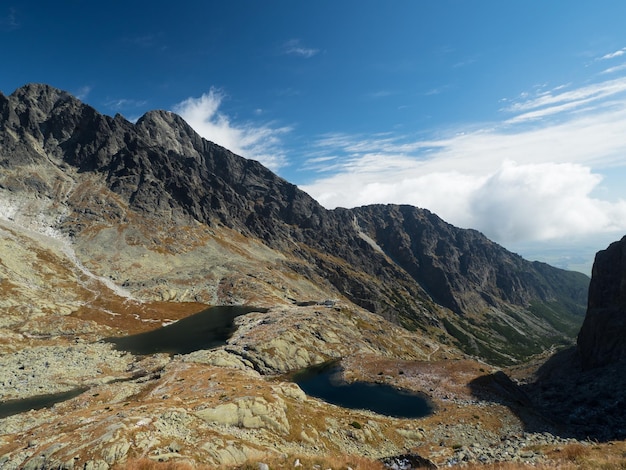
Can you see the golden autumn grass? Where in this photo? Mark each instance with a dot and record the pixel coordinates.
(609, 456)
(577, 456)
(340, 462)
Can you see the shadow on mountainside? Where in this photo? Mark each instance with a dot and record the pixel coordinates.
(499, 388)
(563, 399)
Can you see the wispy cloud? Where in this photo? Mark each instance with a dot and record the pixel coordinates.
(557, 101)
(146, 40)
(380, 94)
(613, 55)
(261, 142)
(9, 22)
(83, 92)
(617, 68)
(465, 63)
(152, 41)
(437, 90)
(513, 181)
(119, 104)
(296, 48)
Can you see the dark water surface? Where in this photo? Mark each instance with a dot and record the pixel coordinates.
(322, 382)
(204, 330)
(13, 407)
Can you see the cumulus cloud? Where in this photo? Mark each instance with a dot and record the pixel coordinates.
(516, 181)
(514, 203)
(259, 142)
(543, 202)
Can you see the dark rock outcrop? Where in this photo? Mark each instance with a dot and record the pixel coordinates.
(407, 462)
(602, 338)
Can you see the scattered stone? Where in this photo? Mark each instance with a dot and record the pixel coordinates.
(407, 462)
(96, 465)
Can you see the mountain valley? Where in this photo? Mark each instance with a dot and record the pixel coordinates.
(110, 228)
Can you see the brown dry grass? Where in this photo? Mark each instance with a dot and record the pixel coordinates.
(609, 456)
(577, 456)
(148, 464)
(338, 462)
(134, 317)
(6, 287)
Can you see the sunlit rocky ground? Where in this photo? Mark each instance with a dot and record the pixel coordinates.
(234, 405)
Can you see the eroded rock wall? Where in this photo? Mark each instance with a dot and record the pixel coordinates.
(602, 338)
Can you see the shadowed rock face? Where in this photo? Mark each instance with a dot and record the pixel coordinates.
(401, 262)
(462, 269)
(602, 338)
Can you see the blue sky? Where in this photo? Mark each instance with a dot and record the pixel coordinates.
(504, 116)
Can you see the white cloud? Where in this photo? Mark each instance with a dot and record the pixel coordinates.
(617, 68)
(550, 103)
(10, 21)
(516, 202)
(119, 104)
(83, 92)
(380, 94)
(295, 47)
(613, 55)
(512, 181)
(543, 202)
(258, 142)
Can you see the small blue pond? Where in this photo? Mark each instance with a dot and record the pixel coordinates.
(204, 330)
(13, 407)
(323, 382)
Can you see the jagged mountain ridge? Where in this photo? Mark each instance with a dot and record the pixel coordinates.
(401, 262)
(447, 260)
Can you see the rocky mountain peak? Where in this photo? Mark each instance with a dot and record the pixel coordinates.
(41, 97)
(169, 131)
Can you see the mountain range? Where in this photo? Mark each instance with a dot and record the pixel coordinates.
(157, 182)
(111, 228)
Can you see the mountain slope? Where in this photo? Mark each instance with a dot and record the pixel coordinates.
(169, 215)
(504, 305)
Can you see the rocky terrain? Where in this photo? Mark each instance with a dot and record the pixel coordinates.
(109, 229)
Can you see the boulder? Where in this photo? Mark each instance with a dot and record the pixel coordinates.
(249, 413)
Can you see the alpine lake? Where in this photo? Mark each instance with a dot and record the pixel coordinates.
(211, 328)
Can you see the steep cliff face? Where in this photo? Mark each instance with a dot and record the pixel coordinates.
(602, 338)
(156, 184)
(462, 269)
